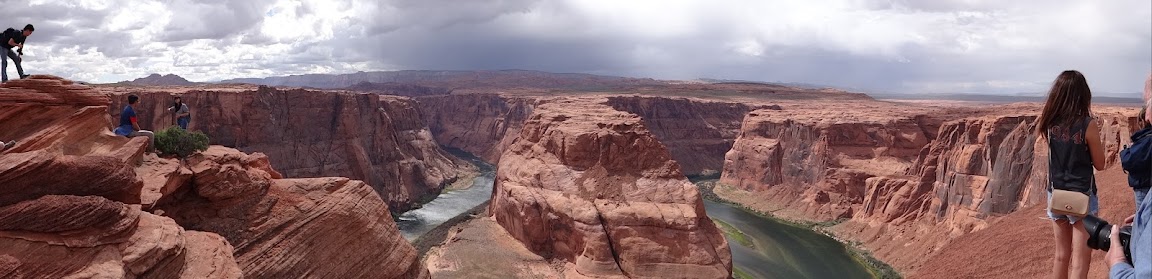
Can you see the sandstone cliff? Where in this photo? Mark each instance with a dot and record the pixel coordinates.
(589, 185)
(282, 228)
(73, 195)
(380, 140)
(69, 198)
(696, 132)
(904, 181)
(813, 163)
(481, 124)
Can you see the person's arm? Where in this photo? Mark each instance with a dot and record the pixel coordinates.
(186, 111)
(135, 126)
(1095, 147)
(12, 42)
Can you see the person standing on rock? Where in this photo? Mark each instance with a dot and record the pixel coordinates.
(1074, 149)
(182, 114)
(14, 39)
(129, 127)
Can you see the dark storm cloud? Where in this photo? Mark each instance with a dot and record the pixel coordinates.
(969, 60)
(879, 45)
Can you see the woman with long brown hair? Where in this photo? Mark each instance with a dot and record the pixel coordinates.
(1074, 149)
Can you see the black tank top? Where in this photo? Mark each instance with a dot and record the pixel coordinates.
(1070, 163)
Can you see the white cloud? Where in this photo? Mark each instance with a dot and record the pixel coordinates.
(893, 45)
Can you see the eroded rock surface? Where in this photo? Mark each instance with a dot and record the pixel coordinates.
(591, 186)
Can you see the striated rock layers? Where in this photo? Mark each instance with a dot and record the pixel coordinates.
(590, 186)
(813, 163)
(905, 180)
(697, 132)
(313, 227)
(69, 198)
(481, 124)
(73, 195)
(380, 140)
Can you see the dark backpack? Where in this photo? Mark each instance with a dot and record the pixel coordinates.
(5, 36)
(1137, 159)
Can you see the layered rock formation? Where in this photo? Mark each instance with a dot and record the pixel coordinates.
(590, 186)
(73, 195)
(291, 227)
(905, 181)
(813, 163)
(69, 198)
(481, 124)
(380, 140)
(697, 132)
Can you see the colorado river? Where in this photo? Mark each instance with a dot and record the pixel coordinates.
(418, 221)
(782, 251)
(770, 250)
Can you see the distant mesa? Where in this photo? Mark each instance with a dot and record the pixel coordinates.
(157, 79)
(459, 80)
(399, 89)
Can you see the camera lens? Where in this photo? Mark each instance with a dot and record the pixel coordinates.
(1099, 232)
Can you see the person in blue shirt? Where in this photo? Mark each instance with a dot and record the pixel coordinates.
(1140, 245)
(129, 127)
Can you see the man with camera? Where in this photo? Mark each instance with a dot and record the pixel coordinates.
(12, 38)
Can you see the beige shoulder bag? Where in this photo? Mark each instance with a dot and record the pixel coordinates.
(1066, 202)
(1071, 203)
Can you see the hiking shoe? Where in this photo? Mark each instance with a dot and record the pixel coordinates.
(8, 145)
(24, 76)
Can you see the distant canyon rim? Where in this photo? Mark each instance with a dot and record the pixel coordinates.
(591, 175)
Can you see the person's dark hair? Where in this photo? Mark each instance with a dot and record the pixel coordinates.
(132, 99)
(29, 27)
(1069, 99)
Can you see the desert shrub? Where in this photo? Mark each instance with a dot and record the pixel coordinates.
(179, 142)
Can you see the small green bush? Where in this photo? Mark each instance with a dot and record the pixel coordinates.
(179, 142)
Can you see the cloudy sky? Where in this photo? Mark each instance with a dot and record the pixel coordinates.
(912, 46)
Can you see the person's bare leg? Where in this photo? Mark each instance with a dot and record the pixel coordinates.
(1062, 232)
(1081, 254)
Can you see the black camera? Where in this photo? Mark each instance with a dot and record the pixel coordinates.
(1100, 232)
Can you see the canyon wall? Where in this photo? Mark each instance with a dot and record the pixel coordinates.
(330, 227)
(696, 132)
(380, 140)
(812, 163)
(902, 180)
(79, 201)
(69, 198)
(481, 124)
(591, 186)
